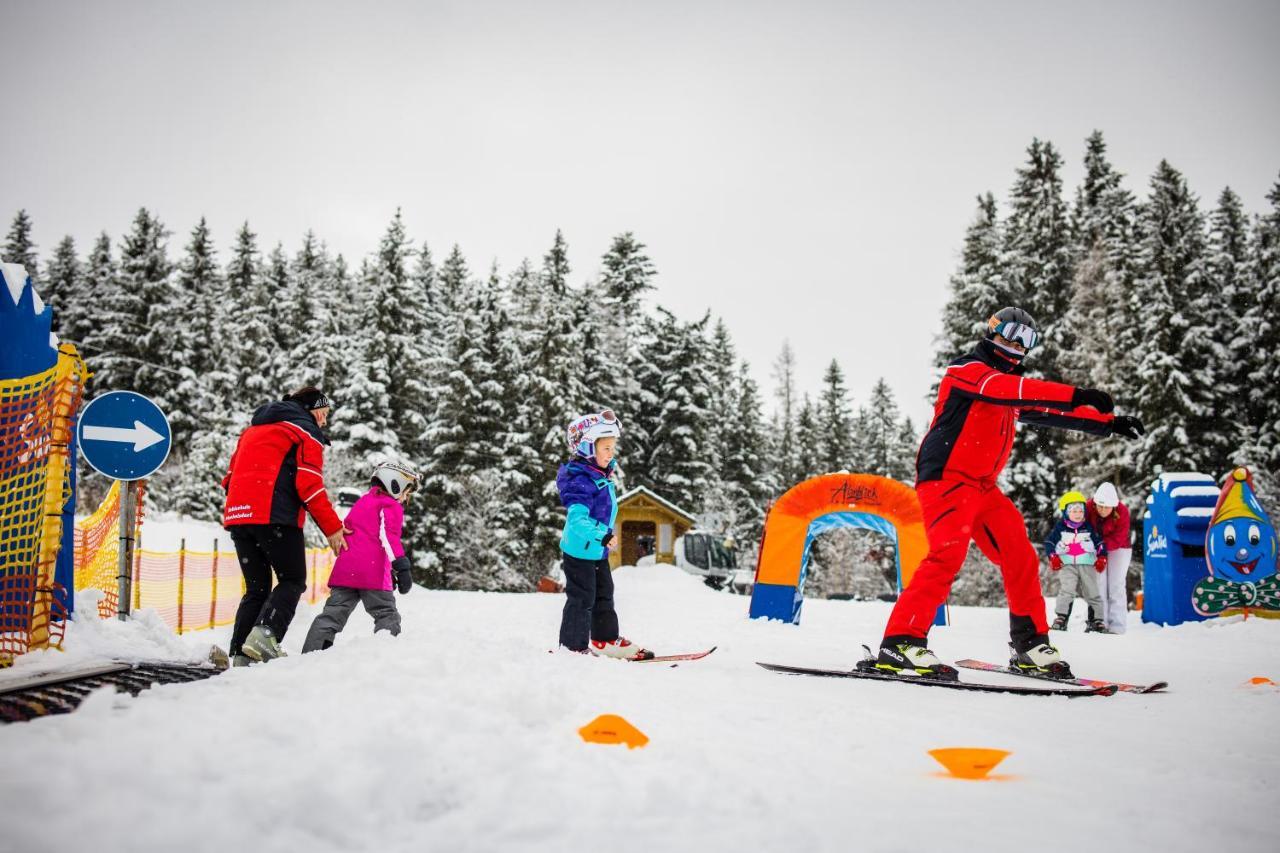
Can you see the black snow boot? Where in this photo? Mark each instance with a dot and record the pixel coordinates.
(1059, 624)
(908, 656)
(1041, 660)
(1096, 626)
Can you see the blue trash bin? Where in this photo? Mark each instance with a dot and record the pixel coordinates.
(1177, 517)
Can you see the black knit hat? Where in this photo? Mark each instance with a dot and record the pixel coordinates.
(310, 397)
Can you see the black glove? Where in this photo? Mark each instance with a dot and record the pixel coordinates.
(608, 537)
(1100, 400)
(404, 574)
(1129, 427)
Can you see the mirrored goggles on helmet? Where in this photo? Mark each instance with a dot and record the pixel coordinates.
(1019, 333)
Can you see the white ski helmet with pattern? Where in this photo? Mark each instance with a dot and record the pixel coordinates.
(585, 430)
(396, 478)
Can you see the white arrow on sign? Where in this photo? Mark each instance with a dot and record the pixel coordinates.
(141, 436)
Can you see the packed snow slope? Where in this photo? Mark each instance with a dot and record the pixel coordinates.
(461, 734)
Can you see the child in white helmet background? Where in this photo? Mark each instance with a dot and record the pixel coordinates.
(363, 573)
(1110, 518)
(589, 621)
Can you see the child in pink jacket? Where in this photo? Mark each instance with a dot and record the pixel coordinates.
(362, 573)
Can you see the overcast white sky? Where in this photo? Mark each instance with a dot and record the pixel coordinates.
(804, 169)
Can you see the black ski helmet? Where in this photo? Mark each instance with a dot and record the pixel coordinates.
(1014, 324)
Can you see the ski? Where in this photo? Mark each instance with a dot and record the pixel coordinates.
(977, 687)
(680, 657)
(1081, 682)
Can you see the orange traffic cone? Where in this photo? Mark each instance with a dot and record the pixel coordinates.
(610, 728)
(969, 762)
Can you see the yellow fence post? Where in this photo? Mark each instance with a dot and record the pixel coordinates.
(182, 577)
(213, 596)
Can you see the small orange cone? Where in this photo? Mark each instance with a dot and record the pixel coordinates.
(969, 762)
(610, 728)
(1261, 679)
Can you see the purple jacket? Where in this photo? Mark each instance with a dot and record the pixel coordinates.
(587, 492)
(365, 564)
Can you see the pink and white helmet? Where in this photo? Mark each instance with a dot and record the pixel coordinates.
(585, 430)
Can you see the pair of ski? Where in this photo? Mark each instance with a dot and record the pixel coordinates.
(676, 658)
(1079, 686)
(671, 659)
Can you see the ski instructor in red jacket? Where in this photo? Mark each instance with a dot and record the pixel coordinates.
(981, 395)
(276, 478)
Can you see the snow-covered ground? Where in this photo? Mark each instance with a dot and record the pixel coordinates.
(461, 734)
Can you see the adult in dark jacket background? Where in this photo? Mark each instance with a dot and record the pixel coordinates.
(275, 479)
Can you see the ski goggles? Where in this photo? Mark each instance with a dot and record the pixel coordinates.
(1018, 333)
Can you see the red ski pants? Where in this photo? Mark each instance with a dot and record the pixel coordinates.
(954, 514)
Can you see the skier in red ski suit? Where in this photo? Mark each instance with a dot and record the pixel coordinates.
(966, 447)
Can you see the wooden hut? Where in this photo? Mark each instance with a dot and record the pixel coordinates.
(648, 524)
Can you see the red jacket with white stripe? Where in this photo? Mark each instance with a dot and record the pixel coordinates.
(277, 471)
(980, 397)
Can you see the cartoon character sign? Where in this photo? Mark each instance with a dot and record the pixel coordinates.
(1240, 548)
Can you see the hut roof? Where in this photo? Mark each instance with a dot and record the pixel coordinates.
(658, 499)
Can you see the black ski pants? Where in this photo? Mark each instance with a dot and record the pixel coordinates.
(588, 607)
(262, 548)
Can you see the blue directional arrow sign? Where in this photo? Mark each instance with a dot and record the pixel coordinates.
(124, 435)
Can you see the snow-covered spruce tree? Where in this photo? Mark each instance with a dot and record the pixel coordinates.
(747, 481)
(626, 275)
(978, 288)
(205, 430)
(1228, 295)
(454, 278)
(455, 446)
(100, 284)
(60, 287)
(834, 415)
(373, 405)
(788, 467)
(18, 248)
(1102, 328)
(1036, 260)
(553, 391)
(885, 442)
(1262, 331)
(1171, 278)
(555, 266)
(413, 353)
(501, 424)
(677, 462)
(250, 340)
(808, 440)
(396, 317)
(715, 512)
(480, 533)
(115, 347)
(315, 302)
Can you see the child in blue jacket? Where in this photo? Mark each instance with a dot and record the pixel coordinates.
(589, 621)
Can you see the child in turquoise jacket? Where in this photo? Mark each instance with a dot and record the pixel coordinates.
(589, 621)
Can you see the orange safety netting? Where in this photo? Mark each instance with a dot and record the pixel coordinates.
(36, 416)
(98, 548)
(195, 590)
(190, 590)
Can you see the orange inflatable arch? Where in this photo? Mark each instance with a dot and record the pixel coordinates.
(825, 503)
